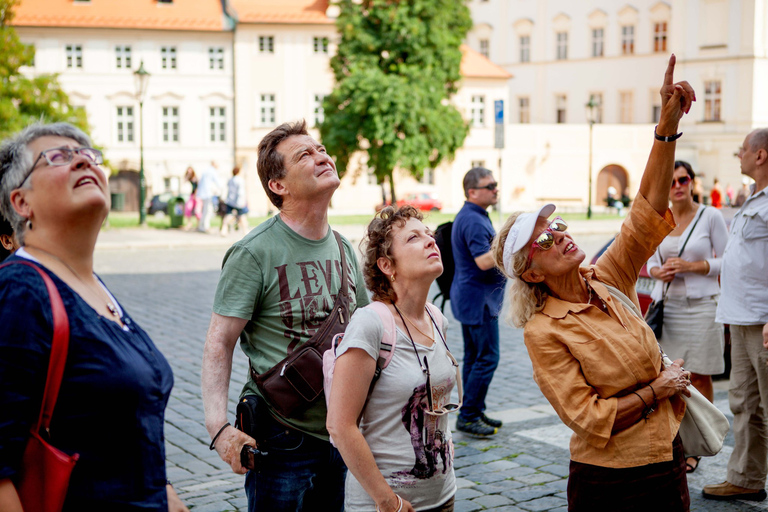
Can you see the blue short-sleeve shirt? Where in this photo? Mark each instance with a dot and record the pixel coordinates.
(473, 289)
(111, 404)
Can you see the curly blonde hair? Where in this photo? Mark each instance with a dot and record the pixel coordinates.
(377, 243)
(521, 298)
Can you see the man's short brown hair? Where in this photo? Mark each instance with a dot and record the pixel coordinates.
(270, 164)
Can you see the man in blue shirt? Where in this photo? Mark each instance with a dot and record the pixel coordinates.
(476, 295)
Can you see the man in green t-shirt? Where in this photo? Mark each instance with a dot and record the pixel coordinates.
(277, 286)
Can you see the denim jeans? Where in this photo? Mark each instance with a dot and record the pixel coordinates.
(300, 473)
(481, 357)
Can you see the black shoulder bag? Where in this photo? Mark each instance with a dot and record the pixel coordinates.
(293, 384)
(654, 317)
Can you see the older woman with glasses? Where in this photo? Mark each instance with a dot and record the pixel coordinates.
(597, 362)
(400, 458)
(116, 384)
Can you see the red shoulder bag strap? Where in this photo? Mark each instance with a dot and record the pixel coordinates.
(59, 349)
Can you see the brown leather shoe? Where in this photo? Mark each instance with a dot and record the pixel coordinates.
(728, 491)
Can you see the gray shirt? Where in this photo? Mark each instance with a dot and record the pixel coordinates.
(744, 275)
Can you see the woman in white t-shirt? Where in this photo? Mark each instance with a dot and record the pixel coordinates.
(400, 458)
(689, 285)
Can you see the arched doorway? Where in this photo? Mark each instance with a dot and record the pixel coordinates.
(611, 176)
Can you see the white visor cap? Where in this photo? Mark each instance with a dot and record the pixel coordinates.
(521, 232)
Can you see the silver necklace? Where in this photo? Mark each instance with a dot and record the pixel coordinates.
(589, 289)
(110, 306)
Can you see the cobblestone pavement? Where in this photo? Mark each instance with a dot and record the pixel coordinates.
(523, 468)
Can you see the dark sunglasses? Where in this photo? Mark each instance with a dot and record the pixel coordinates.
(682, 181)
(490, 186)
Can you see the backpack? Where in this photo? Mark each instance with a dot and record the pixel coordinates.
(443, 242)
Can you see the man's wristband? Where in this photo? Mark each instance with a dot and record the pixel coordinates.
(664, 138)
(227, 424)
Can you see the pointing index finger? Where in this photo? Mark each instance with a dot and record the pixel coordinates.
(668, 80)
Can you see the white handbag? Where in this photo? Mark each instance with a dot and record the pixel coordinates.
(704, 427)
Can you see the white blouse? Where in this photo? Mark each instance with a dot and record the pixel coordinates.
(707, 242)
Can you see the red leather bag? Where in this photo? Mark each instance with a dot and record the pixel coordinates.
(45, 470)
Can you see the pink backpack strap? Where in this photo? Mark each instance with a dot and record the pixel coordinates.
(388, 337)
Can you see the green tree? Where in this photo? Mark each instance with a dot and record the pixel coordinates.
(397, 65)
(23, 99)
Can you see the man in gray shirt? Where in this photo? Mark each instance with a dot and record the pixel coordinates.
(744, 305)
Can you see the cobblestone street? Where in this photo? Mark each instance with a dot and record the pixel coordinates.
(523, 468)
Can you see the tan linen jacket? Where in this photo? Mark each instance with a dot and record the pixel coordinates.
(583, 359)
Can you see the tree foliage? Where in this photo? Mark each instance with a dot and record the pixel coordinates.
(397, 65)
(23, 99)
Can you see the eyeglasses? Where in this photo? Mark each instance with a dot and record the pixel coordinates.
(490, 186)
(446, 408)
(546, 239)
(63, 156)
(682, 181)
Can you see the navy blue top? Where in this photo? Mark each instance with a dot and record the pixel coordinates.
(111, 404)
(473, 289)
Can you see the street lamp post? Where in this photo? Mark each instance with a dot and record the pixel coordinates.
(141, 79)
(591, 107)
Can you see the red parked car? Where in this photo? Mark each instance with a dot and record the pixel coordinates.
(424, 201)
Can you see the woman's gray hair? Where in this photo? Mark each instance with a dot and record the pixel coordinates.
(16, 159)
(521, 298)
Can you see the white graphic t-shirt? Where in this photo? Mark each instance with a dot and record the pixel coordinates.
(413, 450)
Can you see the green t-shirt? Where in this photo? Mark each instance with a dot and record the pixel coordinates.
(285, 286)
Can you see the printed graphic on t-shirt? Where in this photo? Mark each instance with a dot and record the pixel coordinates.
(306, 299)
(432, 448)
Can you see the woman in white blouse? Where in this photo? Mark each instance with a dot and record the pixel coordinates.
(689, 285)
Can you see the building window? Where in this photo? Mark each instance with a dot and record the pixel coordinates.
(655, 113)
(560, 104)
(485, 48)
(478, 110)
(318, 109)
(319, 45)
(562, 45)
(597, 99)
(124, 124)
(628, 39)
(597, 42)
(266, 44)
(525, 109)
(168, 57)
(660, 37)
(267, 110)
(428, 177)
(218, 124)
(123, 57)
(170, 124)
(625, 107)
(712, 100)
(216, 58)
(74, 56)
(525, 48)
(477, 163)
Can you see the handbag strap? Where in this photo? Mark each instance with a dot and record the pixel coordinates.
(59, 349)
(680, 252)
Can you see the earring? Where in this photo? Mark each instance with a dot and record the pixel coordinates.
(29, 225)
(392, 277)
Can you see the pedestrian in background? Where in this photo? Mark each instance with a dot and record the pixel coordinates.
(597, 363)
(688, 284)
(476, 294)
(193, 207)
(401, 456)
(716, 195)
(116, 384)
(277, 286)
(743, 194)
(236, 204)
(744, 305)
(208, 188)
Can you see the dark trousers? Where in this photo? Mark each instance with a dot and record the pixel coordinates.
(660, 487)
(300, 473)
(481, 357)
